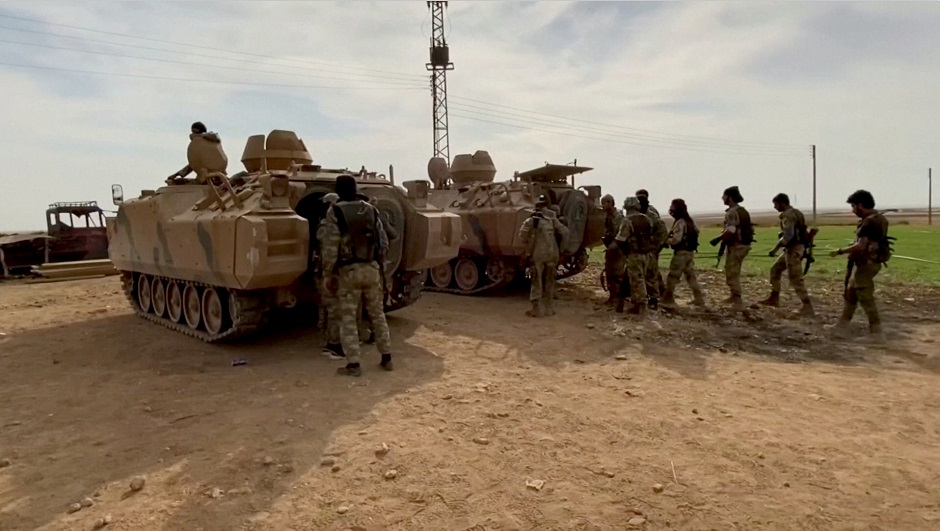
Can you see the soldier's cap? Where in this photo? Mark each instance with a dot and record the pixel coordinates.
(642, 192)
(734, 194)
(631, 203)
(608, 197)
(199, 127)
(781, 198)
(331, 197)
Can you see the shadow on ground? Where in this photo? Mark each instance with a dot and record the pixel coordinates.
(103, 401)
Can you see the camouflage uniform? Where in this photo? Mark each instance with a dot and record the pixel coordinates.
(613, 256)
(860, 288)
(538, 235)
(356, 280)
(793, 229)
(654, 279)
(635, 238)
(682, 264)
(736, 251)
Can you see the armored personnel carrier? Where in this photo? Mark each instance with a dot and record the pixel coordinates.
(210, 257)
(491, 251)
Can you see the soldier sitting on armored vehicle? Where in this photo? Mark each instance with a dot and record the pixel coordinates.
(204, 156)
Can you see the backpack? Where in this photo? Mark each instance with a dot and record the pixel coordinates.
(691, 241)
(746, 228)
(356, 220)
(641, 238)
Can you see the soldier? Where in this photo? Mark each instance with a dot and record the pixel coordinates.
(352, 247)
(870, 250)
(198, 128)
(636, 241)
(683, 238)
(613, 257)
(654, 280)
(540, 235)
(737, 236)
(793, 240)
(329, 303)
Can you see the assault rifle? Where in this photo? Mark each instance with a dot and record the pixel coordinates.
(808, 248)
(721, 250)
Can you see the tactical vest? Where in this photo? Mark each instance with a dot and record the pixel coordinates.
(746, 229)
(641, 235)
(689, 241)
(357, 222)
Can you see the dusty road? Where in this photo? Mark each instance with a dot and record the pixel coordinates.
(703, 421)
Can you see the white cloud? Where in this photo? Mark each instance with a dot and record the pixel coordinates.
(736, 71)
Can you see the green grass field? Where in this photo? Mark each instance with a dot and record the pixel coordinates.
(913, 241)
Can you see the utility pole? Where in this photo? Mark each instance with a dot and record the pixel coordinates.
(930, 196)
(439, 65)
(814, 184)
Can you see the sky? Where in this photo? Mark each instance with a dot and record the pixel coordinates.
(683, 99)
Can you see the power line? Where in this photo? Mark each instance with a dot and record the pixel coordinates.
(616, 141)
(662, 133)
(110, 54)
(396, 77)
(211, 81)
(609, 132)
(190, 45)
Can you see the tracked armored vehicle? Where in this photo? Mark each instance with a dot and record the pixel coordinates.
(211, 257)
(491, 251)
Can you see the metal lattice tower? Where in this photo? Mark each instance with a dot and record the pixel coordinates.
(439, 65)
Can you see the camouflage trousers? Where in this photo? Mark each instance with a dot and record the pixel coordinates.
(635, 266)
(358, 281)
(861, 291)
(329, 318)
(791, 262)
(734, 259)
(613, 269)
(654, 280)
(682, 265)
(543, 283)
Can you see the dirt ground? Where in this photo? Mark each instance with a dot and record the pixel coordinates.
(491, 420)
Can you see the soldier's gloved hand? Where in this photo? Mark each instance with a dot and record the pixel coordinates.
(715, 241)
(772, 253)
(834, 253)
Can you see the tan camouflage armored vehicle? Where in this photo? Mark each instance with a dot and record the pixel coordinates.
(210, 257)
(491, 252)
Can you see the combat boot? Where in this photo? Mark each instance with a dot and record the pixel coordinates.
(386, 362)
(653, 303)
(806, 310)
(877, 334)
(550, 309)
(334, 351)
(699, 300)
(669, 301)
(620, 303)
(351, 369)
(536, 310)
(773, 300)
(840, 329)
(637, 308)
(737, 304)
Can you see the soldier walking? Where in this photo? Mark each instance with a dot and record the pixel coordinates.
(737, 236)
(353, 248)
(654, 279)
(793, 240)
(635, 240)
(870, 250)
(683, 238)
(613, 257)
(542, 234)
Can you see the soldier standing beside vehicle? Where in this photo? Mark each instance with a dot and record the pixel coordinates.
(635, 240)
(352, 248)
(793, 240)
(540, 235)
(683, 238)
(870, 250)
(737, 236)
(613, 257)
(654, 279)
(329, 303)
